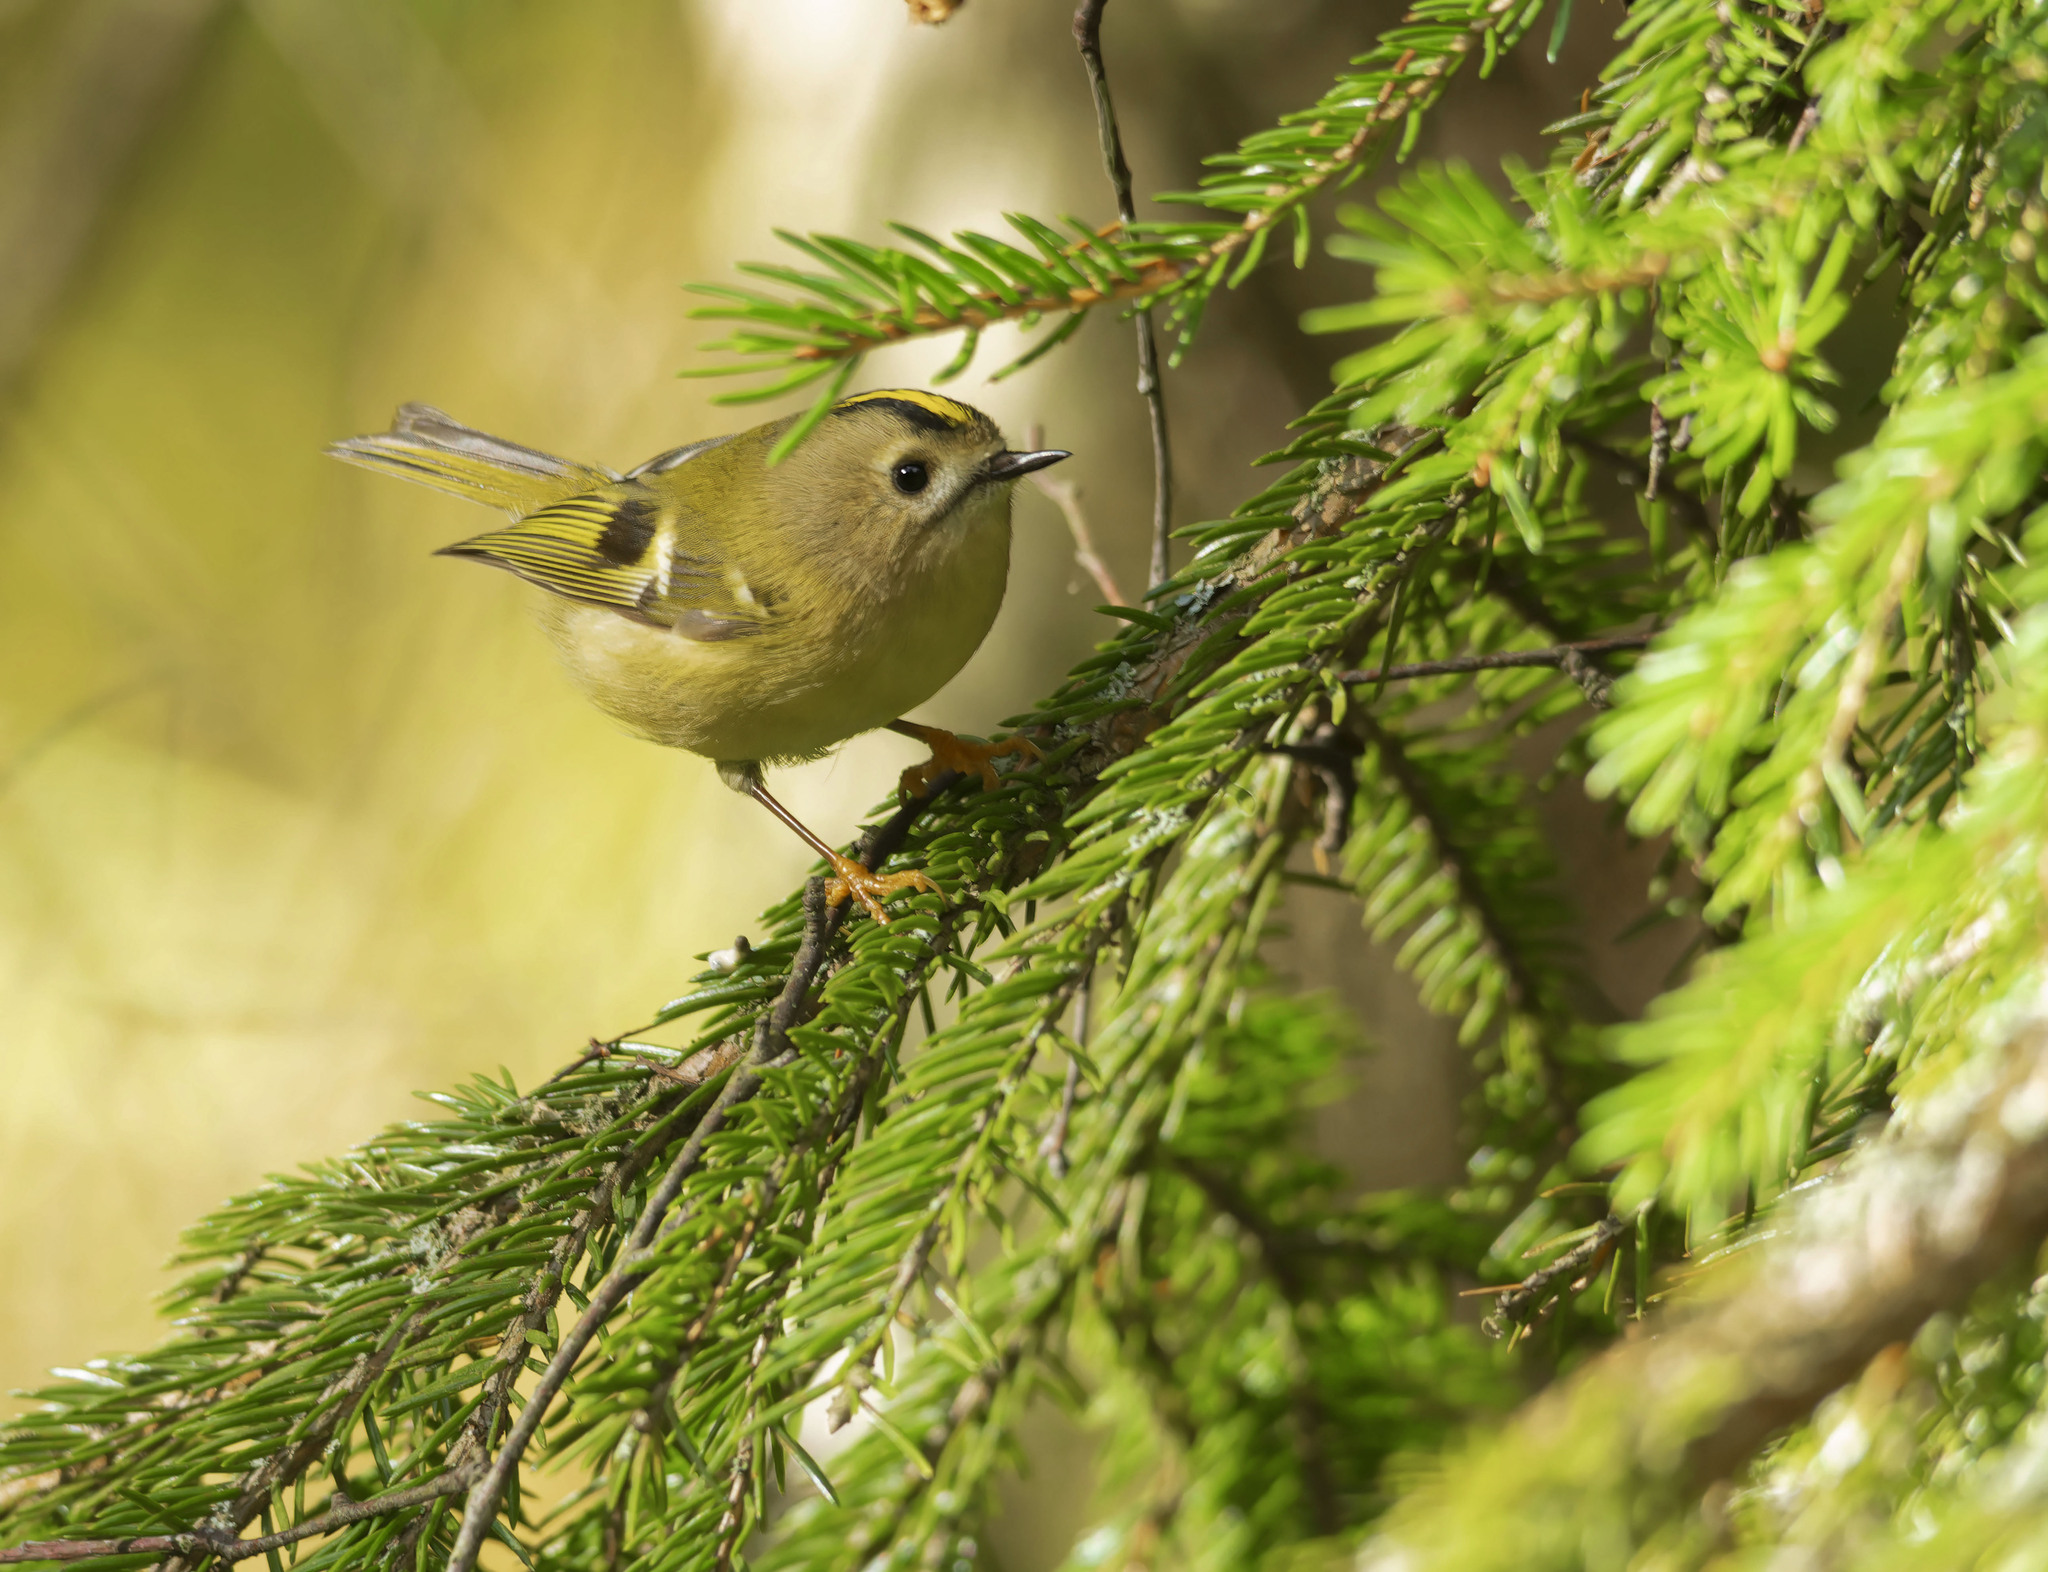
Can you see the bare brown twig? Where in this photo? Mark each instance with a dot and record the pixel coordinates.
(1330, 754)
(1557, 655)
(1066, 496)
(1088, 34)
(1514, 1307)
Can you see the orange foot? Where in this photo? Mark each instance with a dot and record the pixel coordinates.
(871, 889)
(950, 752)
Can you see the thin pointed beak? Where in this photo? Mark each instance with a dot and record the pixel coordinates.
(1012, 466)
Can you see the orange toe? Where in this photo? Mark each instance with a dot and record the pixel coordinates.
(850, 878)
(966, 757)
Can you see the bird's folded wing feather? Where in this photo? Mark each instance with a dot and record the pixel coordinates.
(622, 548)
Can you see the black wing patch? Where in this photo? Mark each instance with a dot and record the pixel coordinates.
(629, 532)
(619, 549)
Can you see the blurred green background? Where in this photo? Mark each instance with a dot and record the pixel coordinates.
(296, 819)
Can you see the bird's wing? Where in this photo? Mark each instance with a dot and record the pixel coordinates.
(623, 548)
(675, 458)
(436, 450)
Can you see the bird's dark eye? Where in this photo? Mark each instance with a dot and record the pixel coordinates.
(911, 476)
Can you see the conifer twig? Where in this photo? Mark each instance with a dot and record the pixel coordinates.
(861, 1355)
(1027, 1334)
(224, 1547)
(1391, 748)
(1053, 1149)
(1558, 655)
(1521, 1300)
(1088, 34)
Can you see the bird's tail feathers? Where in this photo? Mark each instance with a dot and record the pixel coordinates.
(426, 446)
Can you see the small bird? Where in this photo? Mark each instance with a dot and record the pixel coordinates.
(754, 612)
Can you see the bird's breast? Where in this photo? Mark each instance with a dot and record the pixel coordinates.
(897, 647)
(836, 656)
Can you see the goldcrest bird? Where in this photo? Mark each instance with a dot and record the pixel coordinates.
(757, 613)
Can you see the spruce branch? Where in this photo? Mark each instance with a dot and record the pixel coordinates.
(771, 1048)
(1827, 768)
(1911, 1227)
(341, 1406)
(828, 1132)
(1053, 1149)
(1143, 1048)
(1310, 1421)
(971, 1164)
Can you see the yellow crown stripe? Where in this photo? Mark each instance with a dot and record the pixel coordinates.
(948, 410)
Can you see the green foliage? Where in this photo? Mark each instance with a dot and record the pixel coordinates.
(1085, 1184)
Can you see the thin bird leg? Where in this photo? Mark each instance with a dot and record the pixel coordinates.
(950, 752)
(848, 877)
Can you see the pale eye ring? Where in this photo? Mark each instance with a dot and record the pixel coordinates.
(911, 476)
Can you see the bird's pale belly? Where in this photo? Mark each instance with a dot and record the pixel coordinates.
(798, 688)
